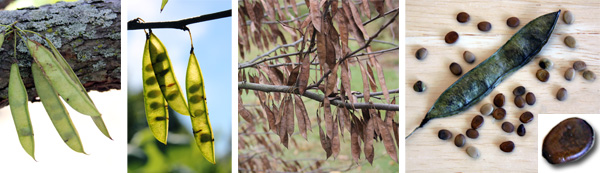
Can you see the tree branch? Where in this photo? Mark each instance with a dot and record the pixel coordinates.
(178, 24)
(315, 96)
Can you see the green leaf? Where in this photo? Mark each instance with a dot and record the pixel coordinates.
(196, 97)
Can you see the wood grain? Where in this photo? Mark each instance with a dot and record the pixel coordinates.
(426, 24)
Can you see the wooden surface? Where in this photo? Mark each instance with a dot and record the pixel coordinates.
(428, 21)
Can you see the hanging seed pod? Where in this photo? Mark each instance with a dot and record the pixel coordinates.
(196, 97)
(17, 95)
(155, 104)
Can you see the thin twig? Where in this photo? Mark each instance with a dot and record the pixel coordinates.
(178, 24)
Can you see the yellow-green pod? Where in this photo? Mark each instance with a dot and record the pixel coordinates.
(165, 75)
(196, 96)
(60, 80)
(98, 121)
(17, 98)
(162, 6)
(56, 110)
(154, 102)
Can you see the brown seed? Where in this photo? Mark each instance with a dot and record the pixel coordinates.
(419, 86)
(477, 122)
(473, 152)
(444, 134)
(519, 91)
(469, 57)
(570, 41)
(530, 98)
(455, 69)
(451, 37)
(521, 130)
(569, 140)
(519, 101)
(460, 140)
(561, 94)
(570, 74)
(568, 17)
(472, 133)
(499, 113)
(546, 64)
(421, 53)
(513, 22)
(526, 117)
(579, 65)
(484, 26)
(486, 109)
(542, 75)
(589, 75)
(499, 100)
(508, 127)
(462, 17)
(507, 146)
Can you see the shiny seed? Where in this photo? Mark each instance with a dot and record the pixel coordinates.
(419, 86)
(561, 94)
(568, 17)
(469, 57)
(508, 127)
(589, 75)
(530, 98)
(460, 140)
(499, 100)
(569, 140)
(521, 130)
(484, 26)
(472, 133)
(542, 75)
(486, 109)
(546, 64)
(499, 113)
(507, 146)
(455, 69)
(570, 74)
(519, 91)
(444, 134)
(451, 37)
(462, 17)
(421, 53)
(513, 22)
(477, 122)
(519, 101)
(570, 41)
(526, 117)
(473, 152)
(579, 65)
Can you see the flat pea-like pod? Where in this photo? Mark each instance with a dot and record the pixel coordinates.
(98, 121)
(60, 80)
(162, 6)
(196, 95)
(165, 76)
(519, 50)
(56, 110)
(17, 99)
(154, 102)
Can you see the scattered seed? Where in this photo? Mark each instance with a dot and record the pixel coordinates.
(521, 130)
(526, 117)
(579, 65)
(561, 94)
(519, 101)
(499, 113)
(472, 133)
(530, 98)
(519, 91)
(507, 146)
(451, 37)
(568, 17)
(421, 53)
(542, 75)
(444, 134)
(546, 64)
(419, 86)
(513, 22)
(460, 140)
(569, 140)
(484, 26)
(508, 127)
(570, 74)
(570, 41)
(469, 57)
(477, 122)
(499, 100)
(589, 75)
(462, 17)
(473, 152)
(455, 69)
(486, 109)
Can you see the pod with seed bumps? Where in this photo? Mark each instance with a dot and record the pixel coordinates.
(155, 105)
(196, 97)
(17, 95)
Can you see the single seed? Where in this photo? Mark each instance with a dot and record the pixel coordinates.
(546, 64)
(194, 88)
(499, 113)
(513, 22)
(451, 37)
(151, 81)
(460, 140)
(455, 69)
(530, 98)
(148, 68)
(172, 95)
(499, 100)
(569, 140)
(542, 75)
(519, 91)
(419, 86)
(570, 74)
(507, 146)
(199, 113)
(570, 41)
(195, 99)
(472, 133)
(579, 65)
(444, 134)
(508, 127)
(462, 17)
(526, 117)
(469, 57)
(589, 75)
(421, 53)
(486, 109)
(473, 152)
(477, 122)
(484, 26)
(154, 93)
(568, 17)
(521, 130)
(561, 94)
(519, 101)
(155, 105)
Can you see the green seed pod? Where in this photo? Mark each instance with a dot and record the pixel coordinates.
(155, 105)
(17, 95)
(198, 110)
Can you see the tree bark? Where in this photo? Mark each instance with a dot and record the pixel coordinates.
(87, 34)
